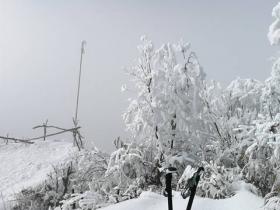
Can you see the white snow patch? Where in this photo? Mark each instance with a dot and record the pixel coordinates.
(152, 201)
(25, 165)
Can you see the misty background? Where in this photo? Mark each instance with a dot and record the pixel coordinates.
(40, 51)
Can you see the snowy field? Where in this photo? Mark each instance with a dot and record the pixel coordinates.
(24, 165)
(243, 200)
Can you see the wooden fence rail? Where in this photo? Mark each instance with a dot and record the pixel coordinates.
(54, 134)
(75, 132)
(16, 139)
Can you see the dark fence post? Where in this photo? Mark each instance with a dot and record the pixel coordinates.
(45, 129)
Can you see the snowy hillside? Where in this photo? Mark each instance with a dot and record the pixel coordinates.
(151, 201)
(25, 165)
(182, 131)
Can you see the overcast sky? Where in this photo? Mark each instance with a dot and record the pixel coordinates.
(40, 46)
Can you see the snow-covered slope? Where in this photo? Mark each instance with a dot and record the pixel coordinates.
(243, 200)
(25, 165)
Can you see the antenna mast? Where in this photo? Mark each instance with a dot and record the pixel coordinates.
(79, 81)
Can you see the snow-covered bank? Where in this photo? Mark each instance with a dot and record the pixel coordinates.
(25, 165)
(151, 201)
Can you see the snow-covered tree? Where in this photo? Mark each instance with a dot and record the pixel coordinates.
(168, 111)
(271, 92)
(263, 154)
(274, 29)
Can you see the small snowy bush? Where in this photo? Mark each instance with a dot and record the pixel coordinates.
(272, 201)
(49, 193)
(128, 171)
(67, 183)
(262, 157)
(215, 182)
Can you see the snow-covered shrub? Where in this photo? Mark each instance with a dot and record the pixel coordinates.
(84, 201)
(129, 170)
(49, 193)
(215, 182)
(126, 173)
(86, 184)
(90, 168)
(263, 155)
(30, 199)
(67, 182)
(272, 199)
(260, 173)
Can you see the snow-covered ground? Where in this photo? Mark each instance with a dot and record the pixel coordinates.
(24, 165)
(243, 200)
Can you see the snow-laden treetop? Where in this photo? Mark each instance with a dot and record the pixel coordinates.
(274, 28)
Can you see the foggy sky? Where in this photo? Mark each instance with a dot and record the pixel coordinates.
(40, 46)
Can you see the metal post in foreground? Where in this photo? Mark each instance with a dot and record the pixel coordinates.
(168, 190)
(192, 184)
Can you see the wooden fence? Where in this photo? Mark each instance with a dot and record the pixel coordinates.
(77, 137)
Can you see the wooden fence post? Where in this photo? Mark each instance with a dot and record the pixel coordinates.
(45, 129)
(75, 132)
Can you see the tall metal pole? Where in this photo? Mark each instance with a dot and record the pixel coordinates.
(169, 190)
(193, 191)
(192, 184)
(79, 82)
(79, 145)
